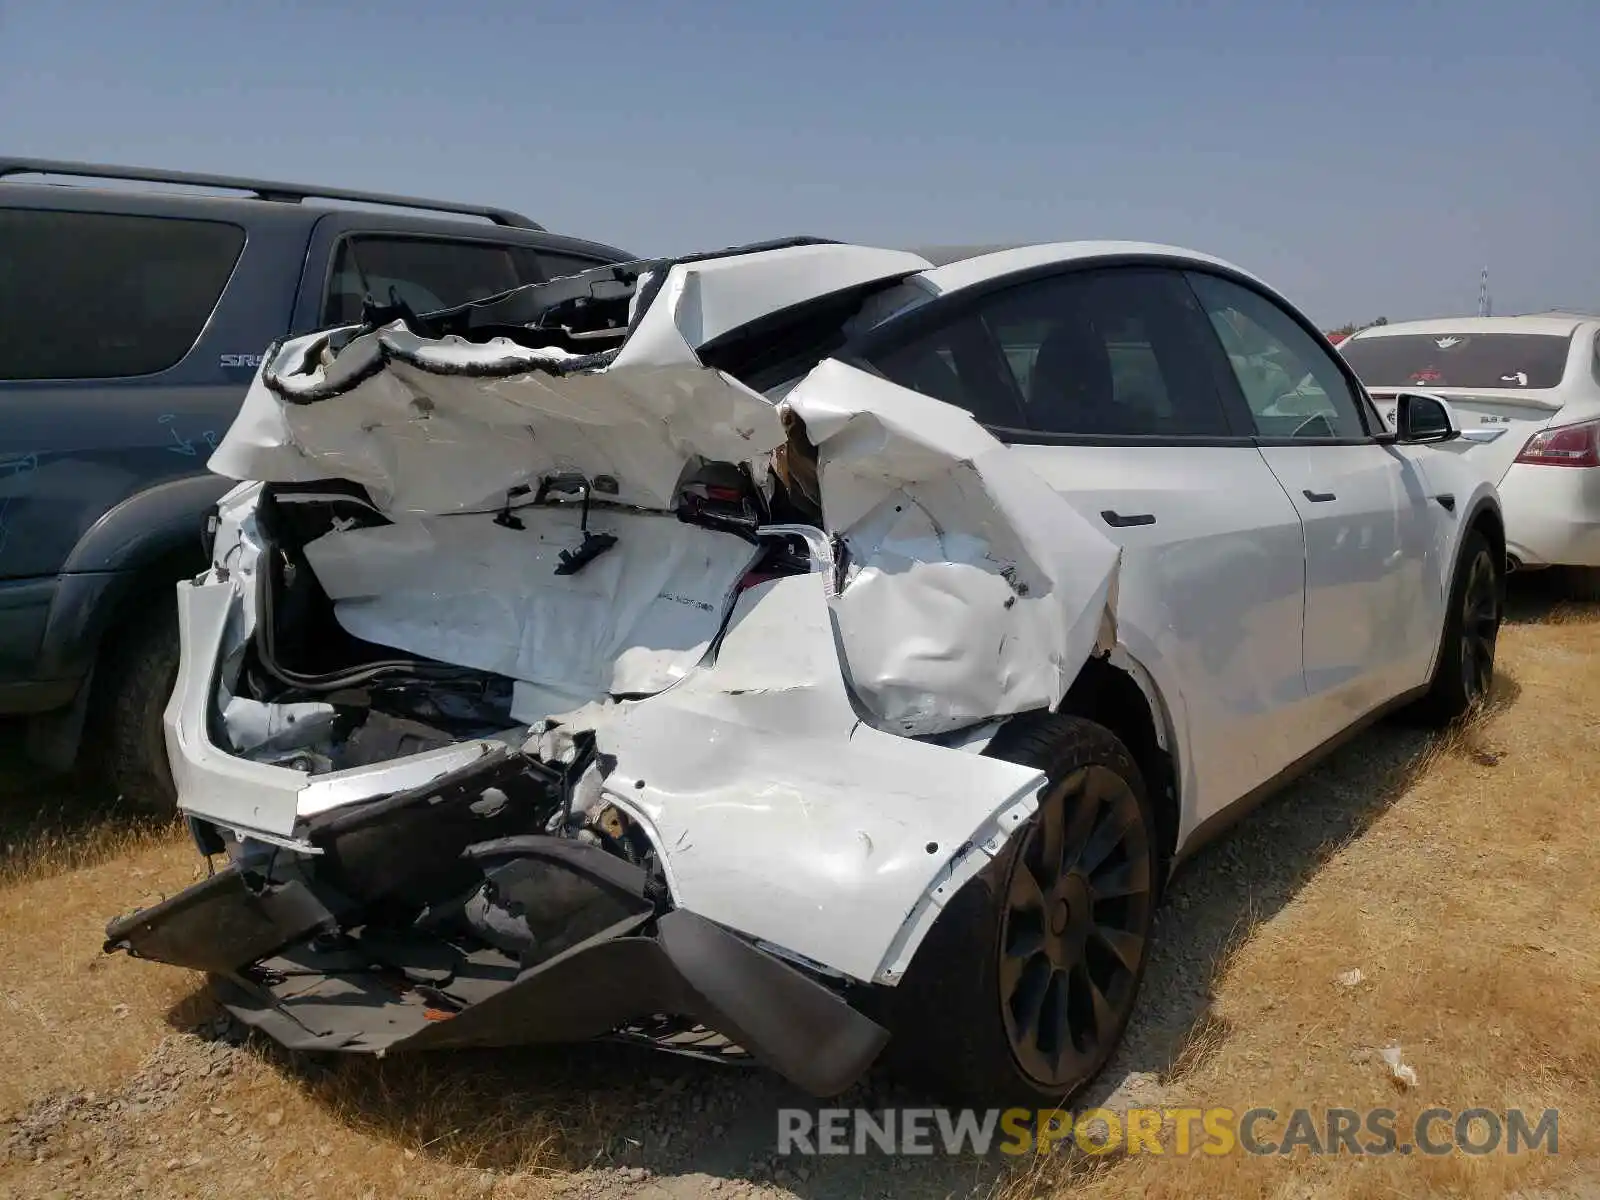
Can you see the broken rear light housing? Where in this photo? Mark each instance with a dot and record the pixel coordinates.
(1564, 446)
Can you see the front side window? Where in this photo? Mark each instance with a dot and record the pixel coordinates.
(104, 296)
(424, 274)
(1115, 352)
(1291, 384)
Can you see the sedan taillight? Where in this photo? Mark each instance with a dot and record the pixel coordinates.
(1564, 446)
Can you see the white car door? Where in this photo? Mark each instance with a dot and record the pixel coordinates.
(1099, 379)
(1374, 599)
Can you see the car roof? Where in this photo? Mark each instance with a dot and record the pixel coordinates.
(27, 182)
(1549, 324)
(940, 256)
(986, 265)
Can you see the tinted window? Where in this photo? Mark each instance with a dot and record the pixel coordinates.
(557, 265)
(1094, 353)
(1293, 386)
(1459, 360)
(96, 296)
(426, 275)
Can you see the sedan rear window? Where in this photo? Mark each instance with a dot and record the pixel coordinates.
(1459, 360)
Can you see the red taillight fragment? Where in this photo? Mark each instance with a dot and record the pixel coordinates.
(1564, 446)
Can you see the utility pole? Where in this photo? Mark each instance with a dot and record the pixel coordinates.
(1484, 307)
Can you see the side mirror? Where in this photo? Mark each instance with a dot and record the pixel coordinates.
(1420, 418)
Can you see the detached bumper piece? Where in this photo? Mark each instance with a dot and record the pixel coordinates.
(538, 939)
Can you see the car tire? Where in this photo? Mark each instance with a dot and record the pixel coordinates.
(1464, 672)
(1019, 995)
(126, 744)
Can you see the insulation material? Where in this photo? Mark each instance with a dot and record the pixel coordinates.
(467, 591)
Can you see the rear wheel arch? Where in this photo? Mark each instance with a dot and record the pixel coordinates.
(1117, 693)
(134, 554)
(1487, 520)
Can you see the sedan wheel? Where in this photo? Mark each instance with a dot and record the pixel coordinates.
(1480, 627)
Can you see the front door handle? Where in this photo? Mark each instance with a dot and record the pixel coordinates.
(1117, 521)
(1319, 497)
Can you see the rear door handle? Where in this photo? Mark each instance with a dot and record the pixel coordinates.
(1319, 497)
(1117, 521)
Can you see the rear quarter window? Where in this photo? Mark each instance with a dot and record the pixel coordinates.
(1459, 360)
(424, 273)
(102, 296)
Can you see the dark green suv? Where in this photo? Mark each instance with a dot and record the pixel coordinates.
(132, 320)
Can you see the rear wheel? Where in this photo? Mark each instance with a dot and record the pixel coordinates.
(1464, 672)
(1024, 986)
(126, 745)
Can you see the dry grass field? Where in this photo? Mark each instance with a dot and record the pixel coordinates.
(1459, 875)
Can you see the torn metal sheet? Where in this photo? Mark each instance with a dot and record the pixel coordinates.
(444, 426)
(757, 779)
(423, 440)
(971, 589)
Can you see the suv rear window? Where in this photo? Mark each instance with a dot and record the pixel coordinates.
(1459, 360)
(101, 296)
(427, 274)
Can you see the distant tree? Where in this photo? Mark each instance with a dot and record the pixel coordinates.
(1357, 326)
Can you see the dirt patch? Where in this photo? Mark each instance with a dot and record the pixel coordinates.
(1455, 875)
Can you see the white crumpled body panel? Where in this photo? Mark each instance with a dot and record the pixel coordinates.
(426, 442)
(972, 589)
(778, 813)
(425, 437)
(780, 777)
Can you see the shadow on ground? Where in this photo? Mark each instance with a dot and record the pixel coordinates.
(56, 821)
(1546, 598)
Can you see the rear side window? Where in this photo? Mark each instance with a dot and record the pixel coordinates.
(426, 274)
(103, 296)
(1118, 352)
(1459, 360)
(557, 265)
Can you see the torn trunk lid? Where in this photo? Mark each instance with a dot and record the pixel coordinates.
(453, 412)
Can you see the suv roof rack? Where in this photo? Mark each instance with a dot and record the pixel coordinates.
(258, 189)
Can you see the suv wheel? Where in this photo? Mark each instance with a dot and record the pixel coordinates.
(126, 744)
(1025, 984)
(1464, 672)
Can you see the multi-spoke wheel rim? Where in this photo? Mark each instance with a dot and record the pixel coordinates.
(1480, 626)
(1077, 913)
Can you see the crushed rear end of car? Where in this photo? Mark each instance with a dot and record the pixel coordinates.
(550, 682)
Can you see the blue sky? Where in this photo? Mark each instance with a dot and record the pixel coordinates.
(1364, 157)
